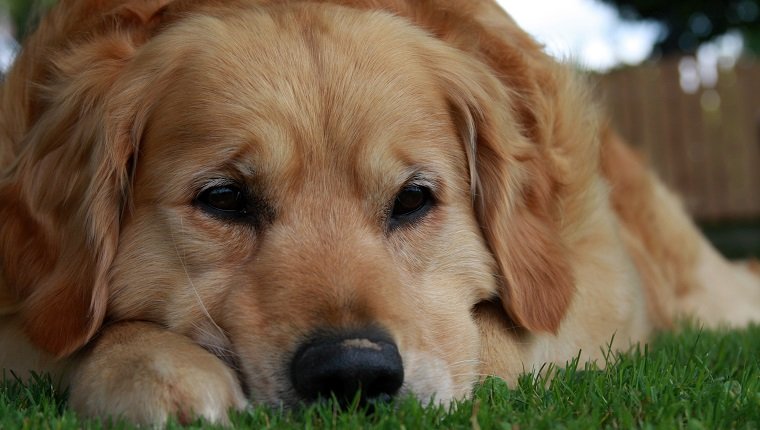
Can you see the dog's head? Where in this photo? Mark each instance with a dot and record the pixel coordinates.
(318, 193)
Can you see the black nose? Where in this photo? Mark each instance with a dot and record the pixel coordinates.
(346, 363)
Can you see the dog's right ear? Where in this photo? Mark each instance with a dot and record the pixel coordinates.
(530, 138)
(68, 144)
(514, 188)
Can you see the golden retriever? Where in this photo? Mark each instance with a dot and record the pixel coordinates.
(206, 202)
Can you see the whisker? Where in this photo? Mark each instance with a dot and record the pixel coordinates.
(190, 281)
(216, 341)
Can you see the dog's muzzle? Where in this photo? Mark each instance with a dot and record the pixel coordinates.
(344, 363)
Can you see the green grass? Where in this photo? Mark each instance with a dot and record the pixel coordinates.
(691, 380)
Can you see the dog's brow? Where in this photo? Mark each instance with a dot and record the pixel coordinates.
(423, 178)
(225, 173)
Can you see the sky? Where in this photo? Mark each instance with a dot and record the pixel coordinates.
(7, 44)
(587, 32)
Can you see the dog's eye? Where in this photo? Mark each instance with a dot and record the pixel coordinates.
(411, 203)
(228, 199)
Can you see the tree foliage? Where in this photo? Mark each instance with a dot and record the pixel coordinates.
(24, 13)
(689, 23)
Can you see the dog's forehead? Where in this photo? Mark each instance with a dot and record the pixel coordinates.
(308, 89)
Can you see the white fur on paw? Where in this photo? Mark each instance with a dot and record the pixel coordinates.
(148, 388)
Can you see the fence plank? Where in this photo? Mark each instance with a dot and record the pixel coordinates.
(704, 145)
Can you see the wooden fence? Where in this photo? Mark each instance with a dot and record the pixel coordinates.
(705, 145)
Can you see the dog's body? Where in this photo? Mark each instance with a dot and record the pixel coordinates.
(204, 198)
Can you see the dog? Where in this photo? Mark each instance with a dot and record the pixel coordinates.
(205, 203)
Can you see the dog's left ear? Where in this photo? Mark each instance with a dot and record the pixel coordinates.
(515, 110)
(71, 137)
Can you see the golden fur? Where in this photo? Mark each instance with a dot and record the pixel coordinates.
(548, 236)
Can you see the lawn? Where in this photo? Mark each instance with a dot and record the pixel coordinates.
(692, 380)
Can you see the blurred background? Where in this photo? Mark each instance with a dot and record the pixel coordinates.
(680, 78)
(681, 81)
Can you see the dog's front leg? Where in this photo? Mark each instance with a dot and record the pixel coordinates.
(145, 374)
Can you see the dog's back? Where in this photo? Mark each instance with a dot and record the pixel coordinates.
(683, 275)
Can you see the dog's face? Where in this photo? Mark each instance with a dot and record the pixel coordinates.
(302, 179)
(309, 191)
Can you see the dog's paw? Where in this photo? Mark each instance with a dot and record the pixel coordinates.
(144, 374)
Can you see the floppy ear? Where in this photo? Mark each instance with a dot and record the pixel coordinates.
(515, 197)
(65, 180)
(508, 110)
